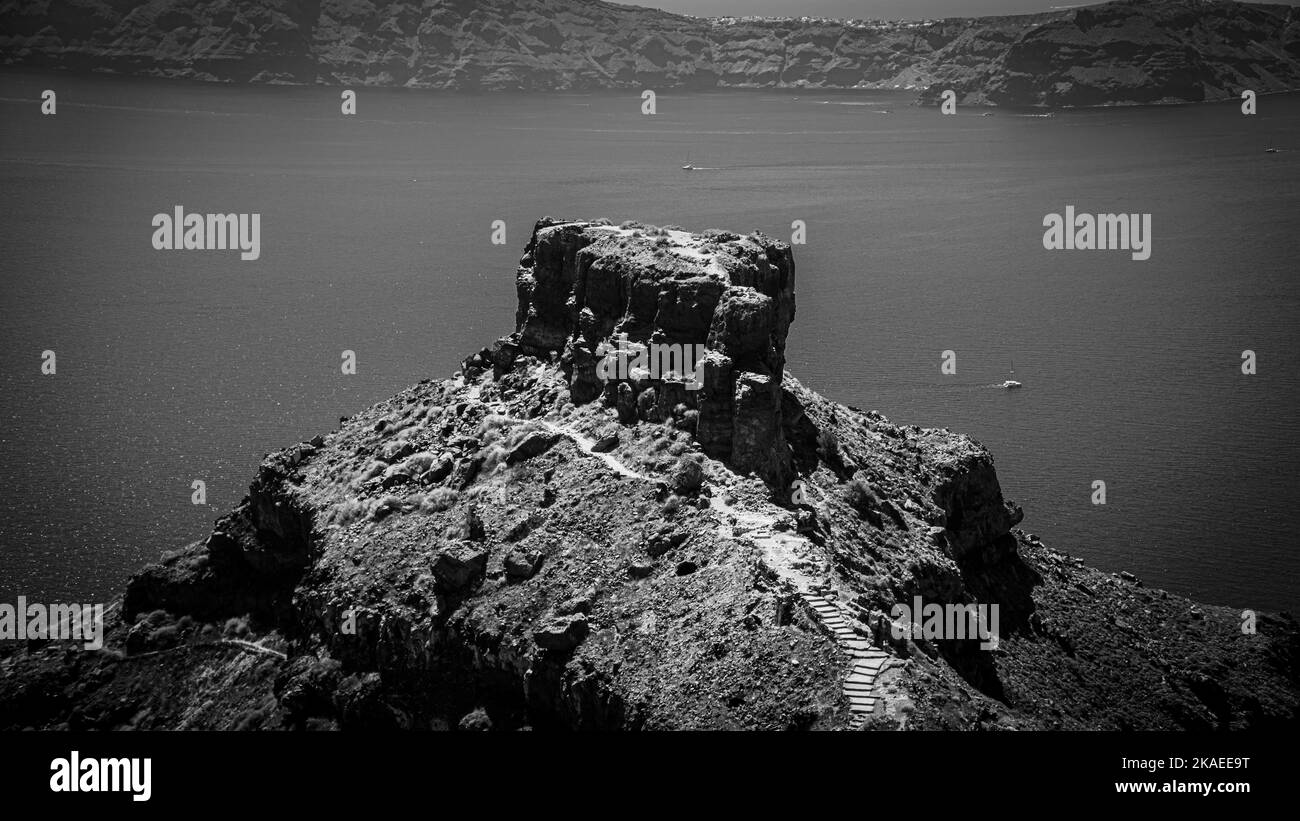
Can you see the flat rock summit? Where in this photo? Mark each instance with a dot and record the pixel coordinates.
(538, 543)
(1124, 52)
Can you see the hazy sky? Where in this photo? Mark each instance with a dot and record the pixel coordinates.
(887, 9)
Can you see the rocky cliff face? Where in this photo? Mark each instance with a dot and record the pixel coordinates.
(531, 543)
(1132, 51)
(1129, 52)
(724, 300)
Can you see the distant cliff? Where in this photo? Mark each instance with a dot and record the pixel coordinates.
(1132, 51)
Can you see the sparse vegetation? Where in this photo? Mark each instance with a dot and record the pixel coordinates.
(348, 511)
(828, 447)
(490, 428)
(418, 463)
(438, 500)
(688, 477)
(389, 504)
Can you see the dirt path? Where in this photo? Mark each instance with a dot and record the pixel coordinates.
(788, 554)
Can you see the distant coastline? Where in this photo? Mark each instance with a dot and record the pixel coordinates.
(1119, 53)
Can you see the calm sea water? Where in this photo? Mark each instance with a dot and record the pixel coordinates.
(924, 234)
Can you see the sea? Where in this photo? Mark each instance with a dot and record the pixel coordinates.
(923, 243)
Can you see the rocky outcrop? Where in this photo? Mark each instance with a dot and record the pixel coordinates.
(1132, 51)
(590, 291)
(570, 553)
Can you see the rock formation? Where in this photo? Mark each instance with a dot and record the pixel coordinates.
(1131, 51)
(584, 286)
(527, 545)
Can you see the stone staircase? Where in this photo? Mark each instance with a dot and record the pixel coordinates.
(868, 660)
(781, 552)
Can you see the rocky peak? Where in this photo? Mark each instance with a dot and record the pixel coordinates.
(589, 288)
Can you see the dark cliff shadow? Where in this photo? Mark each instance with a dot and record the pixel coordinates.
(1008, 583)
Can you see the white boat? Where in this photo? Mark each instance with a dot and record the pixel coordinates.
(688, 167)
(1011, 383)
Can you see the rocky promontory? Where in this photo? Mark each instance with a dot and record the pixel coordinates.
(1123, 52)
(536, 542)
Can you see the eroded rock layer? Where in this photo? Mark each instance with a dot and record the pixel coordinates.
(1132, 51)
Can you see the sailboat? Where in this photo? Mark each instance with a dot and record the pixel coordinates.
(688, 166)
(1011, 383)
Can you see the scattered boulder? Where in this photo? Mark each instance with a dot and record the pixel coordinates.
(395, 477)
(520, 529)
(605, 444)
(534, 444)
(577, 604)
(440, 470)
(459, 566)
(665, 540)
(522, 564)
(562, 633)
(472, 528)
(467, 471)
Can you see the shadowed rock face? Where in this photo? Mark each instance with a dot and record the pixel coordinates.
(583, 286)
(1123, 52)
